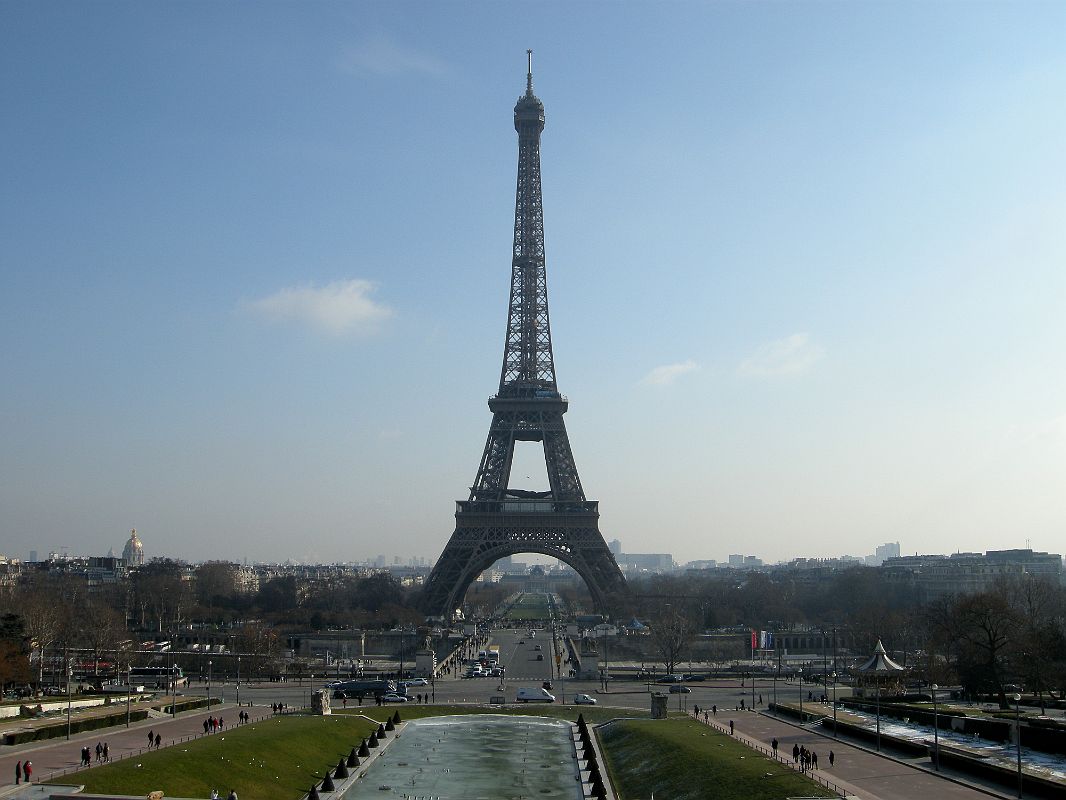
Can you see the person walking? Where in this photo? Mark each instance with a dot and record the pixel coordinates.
(99, 752)
(158, 740)
(730, 727)
(773, 745)
(18, 773)
(832, 757)
(107, 753)
(814, 760)
(151, 738)
(795, 753)
(27, 771)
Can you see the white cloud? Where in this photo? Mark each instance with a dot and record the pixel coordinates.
(381, 55)
(668, 373)
(336, 308)
(792, 355)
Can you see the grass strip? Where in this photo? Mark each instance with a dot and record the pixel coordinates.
(684, 760)
(274, 759)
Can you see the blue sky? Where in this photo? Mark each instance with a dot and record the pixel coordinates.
(805, 272)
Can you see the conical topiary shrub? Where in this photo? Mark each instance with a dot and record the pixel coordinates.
(327, 784)
(381, 732)
(581, 720)
(353, 759)
(313, 794)
(388, 725)
(396, 717)
(341, 771)
(364, 750)
(372, 741)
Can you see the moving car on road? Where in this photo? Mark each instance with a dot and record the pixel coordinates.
(584, 700)
(394, 698)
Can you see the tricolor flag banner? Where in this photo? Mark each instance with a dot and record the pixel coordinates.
(754, 640)
(762, 640)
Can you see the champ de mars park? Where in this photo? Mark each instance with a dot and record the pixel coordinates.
(591, 673)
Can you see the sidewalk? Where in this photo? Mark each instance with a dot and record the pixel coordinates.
(60, 759)
(858, 771)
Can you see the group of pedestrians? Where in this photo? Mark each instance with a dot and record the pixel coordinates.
(103, 754)
(807, 759)
(155, 740)
(23, 769)
(280, 708)
(214, 724)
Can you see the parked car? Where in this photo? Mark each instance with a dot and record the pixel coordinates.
(677, 688)
(537, 647)
(669, 679)
(540, 656)
(584, 700)
(417, 682)
(694, 677)
(392, 697)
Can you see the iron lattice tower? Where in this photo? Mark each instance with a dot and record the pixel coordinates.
(498, 521)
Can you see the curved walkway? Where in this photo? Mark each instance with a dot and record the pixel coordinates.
(53, 758)
(860, 772)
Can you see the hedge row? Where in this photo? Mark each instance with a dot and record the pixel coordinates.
(58, 729)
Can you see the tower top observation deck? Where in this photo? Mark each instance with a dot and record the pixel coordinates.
(529, 111)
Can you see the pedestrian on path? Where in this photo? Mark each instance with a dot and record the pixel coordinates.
(814, 760)
(107, 752)
(27, 771)
(773, 745)
(151, 738)
(158, 740)
(18, 773)
(730, 727)
(832, 758)
(795, 753)
(99, 752)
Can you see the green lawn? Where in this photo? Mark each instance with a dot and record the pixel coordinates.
(681, 759)
(270, 760)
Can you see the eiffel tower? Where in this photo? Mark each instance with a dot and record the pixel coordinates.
(498, 521)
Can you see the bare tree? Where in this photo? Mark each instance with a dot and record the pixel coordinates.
(671, 633)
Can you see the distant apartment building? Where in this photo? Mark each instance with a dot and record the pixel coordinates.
(615, 547)
(882, 553)
(646, 562)
(931, 577)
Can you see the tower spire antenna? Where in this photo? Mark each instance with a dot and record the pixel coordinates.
(529, 72)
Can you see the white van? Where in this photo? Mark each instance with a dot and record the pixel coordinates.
(537, 695)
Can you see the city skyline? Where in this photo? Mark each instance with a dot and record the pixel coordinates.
(804, 268)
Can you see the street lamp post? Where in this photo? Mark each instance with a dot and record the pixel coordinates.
(209, 684)
(238, 681)
(129, 688)
(70, 674)
(936, 731)
(775, 691)
(753, 688)
(878, 716)
(174, 691)
(834, 677)
(801, 695)
(1018, 738)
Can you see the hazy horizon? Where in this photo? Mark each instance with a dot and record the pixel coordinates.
(805, 272)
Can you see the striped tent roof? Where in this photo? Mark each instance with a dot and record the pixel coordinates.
(879, 663)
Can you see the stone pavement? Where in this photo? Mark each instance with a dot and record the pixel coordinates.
(858, 771)
(60, 759)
